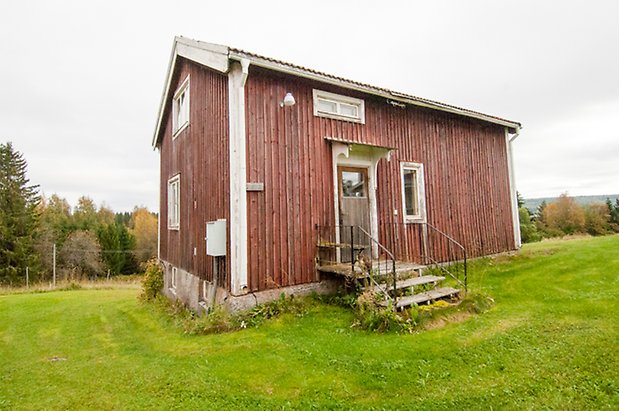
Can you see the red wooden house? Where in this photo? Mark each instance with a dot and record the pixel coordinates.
(269, 169)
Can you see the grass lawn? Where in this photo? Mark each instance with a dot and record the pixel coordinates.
(551, 341)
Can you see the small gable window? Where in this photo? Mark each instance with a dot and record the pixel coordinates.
(180, 108)
(174, 194)
(413, 193)
(338, 107)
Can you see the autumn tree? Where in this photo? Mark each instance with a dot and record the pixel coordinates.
(105, 215)
(597, 219)
(81, 255)
(85, 215)
(564, 215)
(143, 225)
(18, 216)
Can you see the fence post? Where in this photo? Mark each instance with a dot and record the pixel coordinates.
(352, 250)
(27, 279)
(54, 265)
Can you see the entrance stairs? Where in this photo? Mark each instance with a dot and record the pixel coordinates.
(411, 286)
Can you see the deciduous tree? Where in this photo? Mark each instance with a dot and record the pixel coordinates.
(144, 228)
(597, 219)
(81, 255)
(564, 215)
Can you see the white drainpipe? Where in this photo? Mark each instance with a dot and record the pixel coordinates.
(512, 186)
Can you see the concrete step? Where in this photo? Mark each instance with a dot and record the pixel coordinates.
(411, 282)
(426, 297)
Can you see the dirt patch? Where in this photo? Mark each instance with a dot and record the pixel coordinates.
(448, 319)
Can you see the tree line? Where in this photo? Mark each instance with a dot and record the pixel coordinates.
(565, 216)
(83, 241)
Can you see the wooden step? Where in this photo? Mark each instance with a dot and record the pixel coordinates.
(342, 246)
(411, 282)
(381, 269)
(426, 297)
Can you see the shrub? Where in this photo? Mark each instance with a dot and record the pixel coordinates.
(372, 316)
(152, 284)
(528, 229)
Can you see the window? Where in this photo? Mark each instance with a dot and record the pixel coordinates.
(174, 189)
(413, 195)
(180, 108)
(338, 107)
(173, 278)
(353, 183)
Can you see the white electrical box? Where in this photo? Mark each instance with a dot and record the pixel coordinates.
(216, 238)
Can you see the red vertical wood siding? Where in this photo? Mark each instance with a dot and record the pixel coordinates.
(200, 154)
(465, 171)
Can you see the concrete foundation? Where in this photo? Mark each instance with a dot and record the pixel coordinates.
(199, 295)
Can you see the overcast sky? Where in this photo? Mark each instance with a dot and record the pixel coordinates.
(81, 80)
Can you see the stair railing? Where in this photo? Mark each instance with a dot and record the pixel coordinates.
(357, 240)
(382, 250)
(447, 244)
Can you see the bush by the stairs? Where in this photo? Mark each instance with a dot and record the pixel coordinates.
(372, 316)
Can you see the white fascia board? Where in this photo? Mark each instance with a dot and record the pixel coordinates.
(273, 65)
(210, 55)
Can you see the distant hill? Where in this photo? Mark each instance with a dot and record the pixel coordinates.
(533, 203)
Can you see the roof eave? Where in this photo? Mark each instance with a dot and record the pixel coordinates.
(211, 55)
(400, 97)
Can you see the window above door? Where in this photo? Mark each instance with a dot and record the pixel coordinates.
(338, 107)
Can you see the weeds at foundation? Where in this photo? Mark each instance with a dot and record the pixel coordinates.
(219, 320)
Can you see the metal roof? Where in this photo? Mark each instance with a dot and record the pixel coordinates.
(217, 57)
(374, 89)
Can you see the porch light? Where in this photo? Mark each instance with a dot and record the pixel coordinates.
(287, 101)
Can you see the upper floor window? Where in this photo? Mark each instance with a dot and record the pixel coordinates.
(339, 107)
(413, 193)
(180, 108)
(174, 194)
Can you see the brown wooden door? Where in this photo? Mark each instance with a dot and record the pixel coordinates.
(354, 207)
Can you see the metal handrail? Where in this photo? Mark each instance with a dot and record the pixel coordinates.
(446, 235)
(441, 267)
(393, 272)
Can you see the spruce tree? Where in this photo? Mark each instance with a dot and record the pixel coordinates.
(18, 217)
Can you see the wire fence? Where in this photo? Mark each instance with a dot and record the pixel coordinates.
(54, 270)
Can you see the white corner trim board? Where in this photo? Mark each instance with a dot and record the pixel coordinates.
(237, 77)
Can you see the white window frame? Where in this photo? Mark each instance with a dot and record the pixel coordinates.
(173, 278)
(174, 196)
(176, 127)
(338, 100)
(421, 193)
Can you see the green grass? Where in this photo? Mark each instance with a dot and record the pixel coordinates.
(551, 341)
